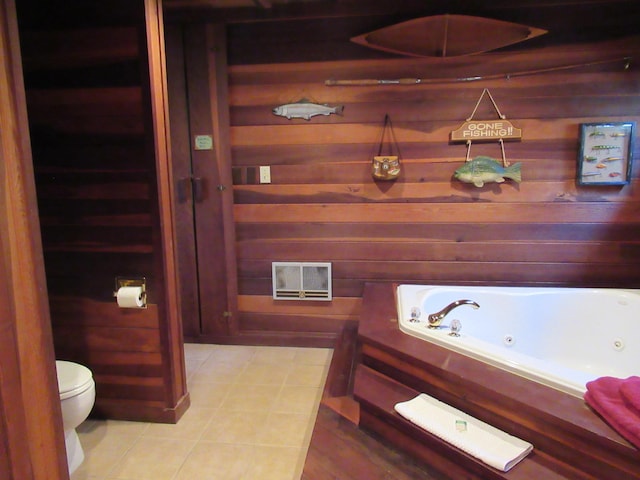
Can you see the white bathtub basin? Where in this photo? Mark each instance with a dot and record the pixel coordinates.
(560, 337)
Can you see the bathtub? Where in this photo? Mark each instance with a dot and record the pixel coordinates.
(560, 337)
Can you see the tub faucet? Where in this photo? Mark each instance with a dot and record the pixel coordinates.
(435, 319)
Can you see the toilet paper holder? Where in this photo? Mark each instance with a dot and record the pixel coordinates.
(132, 282)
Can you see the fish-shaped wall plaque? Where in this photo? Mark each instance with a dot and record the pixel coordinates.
(306, 109)
(483, 170)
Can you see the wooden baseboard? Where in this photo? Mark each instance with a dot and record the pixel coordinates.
(139, 411)
(277, 339)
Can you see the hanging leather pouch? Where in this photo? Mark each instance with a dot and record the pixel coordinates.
(386, 167)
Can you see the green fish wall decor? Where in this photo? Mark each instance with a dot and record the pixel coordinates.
(483, 170)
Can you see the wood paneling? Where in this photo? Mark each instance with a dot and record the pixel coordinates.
(197, 73)
(570, 439)
(339, 449)
(96, 102)
(31, 430)
(427, 227)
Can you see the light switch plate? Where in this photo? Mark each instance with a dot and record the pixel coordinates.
(265, 174)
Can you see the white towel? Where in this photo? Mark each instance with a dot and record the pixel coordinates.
(475, 437)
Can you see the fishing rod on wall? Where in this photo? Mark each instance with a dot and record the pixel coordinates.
(626, 61)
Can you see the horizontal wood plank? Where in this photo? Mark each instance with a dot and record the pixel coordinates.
(332, 232)
(86, 102)
(416, 250)
(292, 323)
(544, 153)
(427, 192)
(111, 339)
(592, 212)
(463, 272)
(337, 307)
(128, 364)
(78, 47)
(81, 311)
(296, 133)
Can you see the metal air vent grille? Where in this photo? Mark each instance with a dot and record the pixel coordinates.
(301, 281)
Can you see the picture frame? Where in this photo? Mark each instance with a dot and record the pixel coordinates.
(606, 153)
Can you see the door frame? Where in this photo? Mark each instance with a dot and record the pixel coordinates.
(199, 110)
(30, 413)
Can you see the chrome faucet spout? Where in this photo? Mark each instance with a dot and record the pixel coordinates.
(435, 319)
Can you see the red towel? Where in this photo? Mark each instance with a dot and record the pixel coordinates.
(603, 395)
(630, 391)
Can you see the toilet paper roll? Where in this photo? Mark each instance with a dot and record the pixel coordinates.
(130, 297)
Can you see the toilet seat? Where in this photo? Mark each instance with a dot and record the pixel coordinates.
(73, 378)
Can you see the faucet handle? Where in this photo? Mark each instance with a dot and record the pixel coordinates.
(455, 327)
(415, 314)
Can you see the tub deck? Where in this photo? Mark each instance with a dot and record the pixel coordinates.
(570, 440)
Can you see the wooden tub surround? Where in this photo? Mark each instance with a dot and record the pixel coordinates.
(570, 440)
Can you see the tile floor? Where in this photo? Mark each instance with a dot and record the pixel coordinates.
(251, 417)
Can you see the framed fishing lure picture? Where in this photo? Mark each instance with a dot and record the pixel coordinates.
(606, 153)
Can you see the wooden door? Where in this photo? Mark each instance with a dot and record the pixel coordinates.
(196, 65)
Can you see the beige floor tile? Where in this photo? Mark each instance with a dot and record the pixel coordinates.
(190, 427)
(195, 355)
(207, 395)
(251, 398)
(274, 355)
(235, 427)
(191, 366)
(82, 475)
(101, 453)
(112, 427)
(264, 374)
(214, 461)
(217, 371)
(231, 354)
(298, 399)
(273, 463)
(306, 375)
(153, 458)
(251, 417)
(313, 356)
(285, 429)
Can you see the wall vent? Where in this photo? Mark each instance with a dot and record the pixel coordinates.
(301, 281)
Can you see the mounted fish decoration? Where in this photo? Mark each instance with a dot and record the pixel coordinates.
(306, 109)
(483, 170)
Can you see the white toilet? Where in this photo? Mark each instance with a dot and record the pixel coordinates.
(77, 395)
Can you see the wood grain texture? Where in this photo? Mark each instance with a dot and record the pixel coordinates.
(568, 437)
(96, 98)
(31, 432)
(322, 204)
(339, 449)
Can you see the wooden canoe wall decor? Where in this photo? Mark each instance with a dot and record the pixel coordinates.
(447, 36)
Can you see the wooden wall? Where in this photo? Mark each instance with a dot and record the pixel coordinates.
(31, 436)
(89, 97)
(427, 227)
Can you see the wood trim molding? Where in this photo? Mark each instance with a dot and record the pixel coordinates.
(142, 411)
(170, 310)
(25, 292)
(218, 79)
